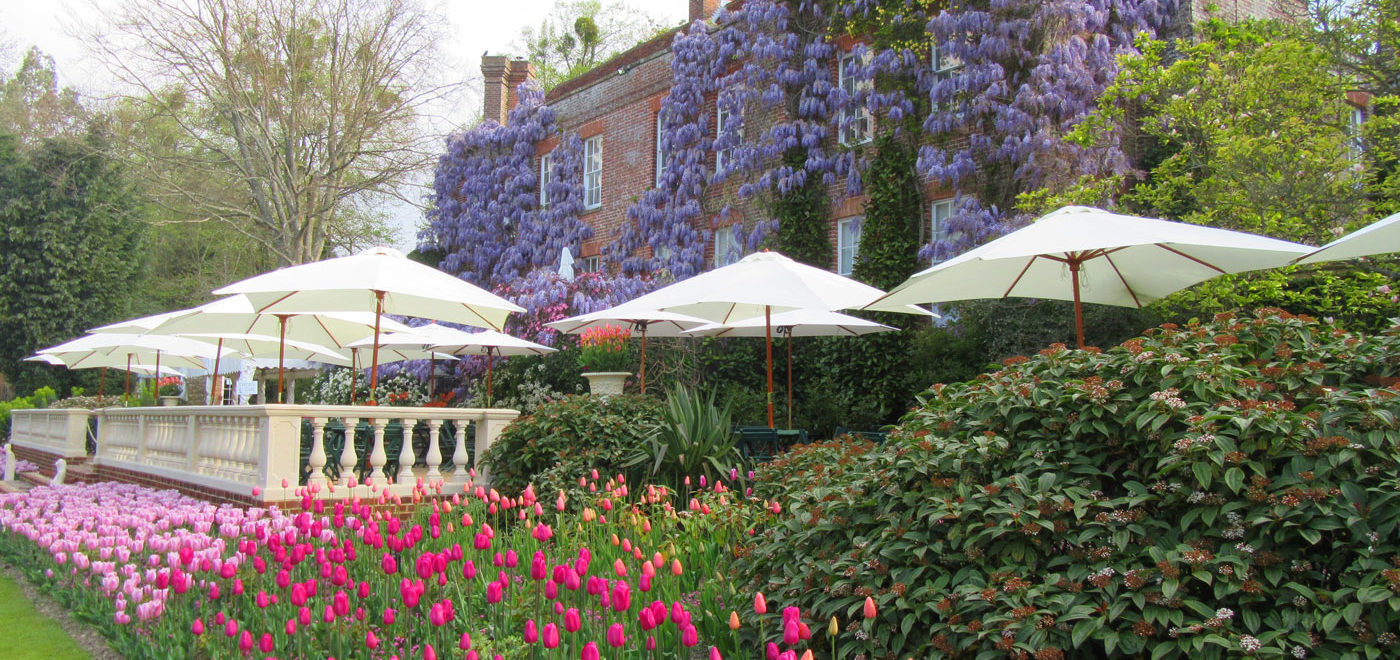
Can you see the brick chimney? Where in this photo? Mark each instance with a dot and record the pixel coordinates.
(502, 76)
(702, 10)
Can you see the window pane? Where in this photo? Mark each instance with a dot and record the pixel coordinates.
(546, 164)
(660, 154)
(593, 172)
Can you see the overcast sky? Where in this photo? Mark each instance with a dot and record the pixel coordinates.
(474, 26)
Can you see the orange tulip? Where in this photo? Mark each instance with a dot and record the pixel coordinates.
(869, 607)
(733, 620)
(760, 605)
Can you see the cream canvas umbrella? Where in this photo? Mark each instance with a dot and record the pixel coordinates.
(235, 317)
(1091, 255)
(637, 315)
(381, 280)
(796, 323)
(118, 350)
(1379, 237)
(441, 339)
(760, 285)
(141, 369)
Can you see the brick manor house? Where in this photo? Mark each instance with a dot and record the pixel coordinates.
(614, 108)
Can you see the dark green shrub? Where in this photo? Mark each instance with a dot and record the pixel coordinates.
(567, 438)
(1204, 491)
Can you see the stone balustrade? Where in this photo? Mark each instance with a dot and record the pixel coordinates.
(249, 452)
(61, 432)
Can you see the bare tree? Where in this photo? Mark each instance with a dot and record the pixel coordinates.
(308, 107)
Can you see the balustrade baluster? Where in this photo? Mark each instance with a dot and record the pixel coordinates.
(459, 453)
(406, 456)
(434, 451)
(377, 456)
(348, 458)
(317, 460)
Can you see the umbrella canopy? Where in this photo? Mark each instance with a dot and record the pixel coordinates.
(122, 350)
(136, 326)
(1379, 237)
(442, 339)
(1090, 255)
(758, 286)
(381, 280)
(255, 345)
(234, 317)
(796, 323)
(637, 315)
(142, 369)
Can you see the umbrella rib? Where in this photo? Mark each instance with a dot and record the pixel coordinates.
(1179, 253)
(1124, 280)
(264, 308)
(477, 314)
(321, 322)
(1023, 273)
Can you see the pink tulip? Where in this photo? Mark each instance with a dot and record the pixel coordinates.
(198, 627)
(551, 635)
(265, 644)
(619, 567)
(290, 628)
(245, 642)
(771, 653)
(493, 593)
(590, 652)
(572, 621)
(714, 654)
(869, 607)
(616, 637)
(465, 643)
(532, 634)
(760, 605)
(429, 653)
(689, 636)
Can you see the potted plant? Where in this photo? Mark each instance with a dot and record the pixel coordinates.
(603, 355)
(169, 390)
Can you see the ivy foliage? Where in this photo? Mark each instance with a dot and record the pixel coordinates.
(889, 236)
(1211, 490)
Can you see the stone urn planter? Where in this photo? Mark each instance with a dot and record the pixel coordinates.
(606, 383)
(170, 401)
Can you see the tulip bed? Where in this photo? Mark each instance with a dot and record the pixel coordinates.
(474, 575)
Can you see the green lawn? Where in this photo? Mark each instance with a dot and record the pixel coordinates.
(31, 635)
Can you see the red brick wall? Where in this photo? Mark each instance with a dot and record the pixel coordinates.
(43, 459)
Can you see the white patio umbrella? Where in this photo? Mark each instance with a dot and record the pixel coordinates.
(117, 350)
(1379, 237)
(758, 286)
(1090, 255)
(637, 315)
(234, 317)
(442, 340)
(796, 323)
(381, 280)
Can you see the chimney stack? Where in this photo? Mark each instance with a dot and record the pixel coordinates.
(502, 77)
(702, 10)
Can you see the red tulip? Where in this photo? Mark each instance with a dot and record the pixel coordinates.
(760, 605)
(869, 607)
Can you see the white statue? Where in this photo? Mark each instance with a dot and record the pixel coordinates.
(9, 462)
(60, 468)
(566, 264)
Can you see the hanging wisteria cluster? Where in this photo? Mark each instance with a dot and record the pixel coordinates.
(487, 219)
(1016, 77)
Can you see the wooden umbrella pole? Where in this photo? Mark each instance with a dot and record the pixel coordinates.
(281, 353)
(218, 398)
(643, 326)
(128, 376)
(768, 342)
(374, 362)
(789, 352)
(488, 376)
(157, 376)
(1078, 309)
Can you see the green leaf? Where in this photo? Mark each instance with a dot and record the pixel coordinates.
(1234, 478)
(1082, 630)
(1372, 594)
(1203, 473)
(1312, 536)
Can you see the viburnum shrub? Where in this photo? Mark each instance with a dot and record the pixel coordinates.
(568, 436)
(604, 348)
(1213, 490)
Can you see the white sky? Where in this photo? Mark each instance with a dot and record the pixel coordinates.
(474, 26)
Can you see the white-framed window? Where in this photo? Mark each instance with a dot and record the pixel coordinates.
(591, 264)
(663, 253)
(1355, 140)
(593, 172)
(546, 169)
(942, 60)
(727, 248)
(847, 244)
(939, 214)
(855, 125)
(725, 157)
(660, 153)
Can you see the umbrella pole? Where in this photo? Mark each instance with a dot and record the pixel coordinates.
(644, 358)
(1078, 309)
(432, 371)
(768, 343)
(488, 376)
(281, 353)
(374, 368)
(218, 398)
(789, 352)
(354, 352)
(102, 384)
(128, 378)
(157, 376)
